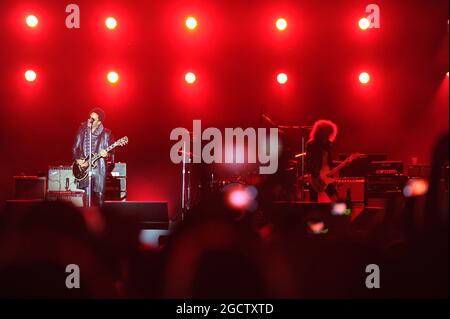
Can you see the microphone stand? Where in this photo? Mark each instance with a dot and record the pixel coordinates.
(183, 186)
(90, 166)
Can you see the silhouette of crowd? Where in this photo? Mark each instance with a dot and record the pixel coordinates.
(218, 252)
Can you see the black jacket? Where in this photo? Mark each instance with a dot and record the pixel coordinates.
(314, 155)
(100, 143)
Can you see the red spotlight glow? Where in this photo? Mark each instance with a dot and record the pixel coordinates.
(364, 78)
(415, 187)
(281, 24)
(364, 23)
(191, 23)
(111, 23)
(447, 74)
(190, 78)
(282, 78)
(239, 198)
(31, 21)
(316, 227)
(30, 75)
(112, 77)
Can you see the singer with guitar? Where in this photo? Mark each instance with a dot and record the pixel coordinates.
(101, 139)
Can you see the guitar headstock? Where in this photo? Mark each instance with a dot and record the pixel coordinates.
(123, 141)
(354, 156)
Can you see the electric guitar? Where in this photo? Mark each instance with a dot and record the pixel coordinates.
(325, 177)
(80, 172)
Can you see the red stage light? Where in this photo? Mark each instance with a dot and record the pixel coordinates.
(281, 24)
(364, 23)
(113, 77)
(191, 23)
(111, 23)
(364, 78)
(190, 78)
(447, 73)
(282, 78)
(30, 75)
(32, 21)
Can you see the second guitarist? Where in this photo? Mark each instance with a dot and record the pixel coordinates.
(101, 138)
(319, 155)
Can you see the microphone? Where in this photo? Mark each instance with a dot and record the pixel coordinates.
(88, 122)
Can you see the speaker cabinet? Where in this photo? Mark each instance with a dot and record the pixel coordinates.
(30, 187)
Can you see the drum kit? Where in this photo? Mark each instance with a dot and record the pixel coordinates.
(194, 187)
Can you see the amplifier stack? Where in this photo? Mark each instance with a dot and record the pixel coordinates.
(385, 180)
(116, 183)
(60, 185)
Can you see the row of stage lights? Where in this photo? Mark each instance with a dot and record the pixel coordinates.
(191, 24)
(190, 77)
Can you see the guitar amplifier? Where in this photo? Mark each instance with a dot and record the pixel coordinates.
(119, 170)
(30, 187)
(76, 198)
(356, 186)
(422, 171)
(360, 166)
(60, 178)
(381, 187)
(386, 168)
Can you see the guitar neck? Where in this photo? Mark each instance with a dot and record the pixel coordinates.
(108, 149)
(339, 167)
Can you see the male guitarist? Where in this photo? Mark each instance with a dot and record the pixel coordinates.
(101, 138)
(319, 156)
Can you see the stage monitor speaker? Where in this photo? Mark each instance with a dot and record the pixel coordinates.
(30, 187)
(150, 215)
(76, 198)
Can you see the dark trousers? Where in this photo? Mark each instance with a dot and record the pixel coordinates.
(330, 191)
(97, 198)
